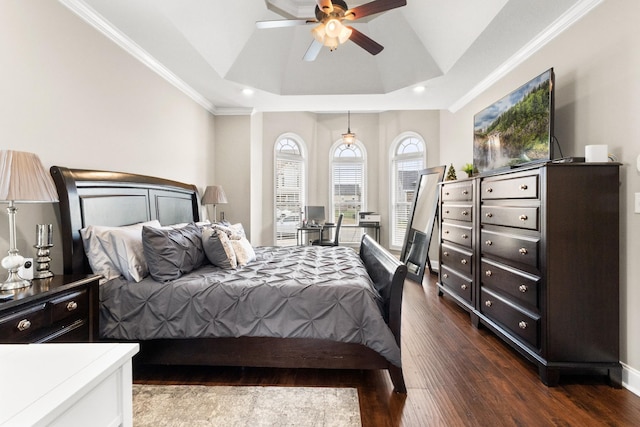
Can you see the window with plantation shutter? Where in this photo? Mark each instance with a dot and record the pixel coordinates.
(348, 188)
(289, 189)
(407, 162)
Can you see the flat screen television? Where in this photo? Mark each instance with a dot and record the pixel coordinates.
(517, 129)
(314, 214)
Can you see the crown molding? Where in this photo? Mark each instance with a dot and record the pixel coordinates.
(565, 21)
(90, 16)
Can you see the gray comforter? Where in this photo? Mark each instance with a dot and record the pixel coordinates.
(291, 292)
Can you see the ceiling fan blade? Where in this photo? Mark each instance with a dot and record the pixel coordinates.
(365, 42)
(372, 8)
(312, 52)
(280, 23)
(325, 5)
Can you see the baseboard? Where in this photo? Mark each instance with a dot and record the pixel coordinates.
(631, 379)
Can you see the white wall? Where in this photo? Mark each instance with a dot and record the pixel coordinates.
(597, 67)
(77, 100)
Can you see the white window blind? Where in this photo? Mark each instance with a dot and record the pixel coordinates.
(348, 189)
(289, 190)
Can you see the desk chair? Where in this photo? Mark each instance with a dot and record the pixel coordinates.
(336, 235)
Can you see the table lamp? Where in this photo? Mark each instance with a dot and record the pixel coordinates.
(214, 195)
(23, 179)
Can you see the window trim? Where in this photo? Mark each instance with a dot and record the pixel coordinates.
(393, 148)
(305, 164)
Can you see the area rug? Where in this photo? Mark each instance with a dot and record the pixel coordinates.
(195, 406)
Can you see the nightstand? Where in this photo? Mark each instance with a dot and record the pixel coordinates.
(57, 309)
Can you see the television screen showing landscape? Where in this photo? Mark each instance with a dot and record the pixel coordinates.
(517, 128)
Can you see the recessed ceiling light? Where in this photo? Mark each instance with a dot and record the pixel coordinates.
(419, 89)
(247, 91)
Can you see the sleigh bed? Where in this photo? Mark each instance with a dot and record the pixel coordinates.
(289, 307)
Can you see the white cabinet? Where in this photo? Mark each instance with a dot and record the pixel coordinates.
(66, 384)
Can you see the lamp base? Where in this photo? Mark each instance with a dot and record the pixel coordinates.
(14, 282)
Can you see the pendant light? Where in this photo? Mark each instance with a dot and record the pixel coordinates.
(349, 137)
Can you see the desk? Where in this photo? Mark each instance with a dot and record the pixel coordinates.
(319, 230)
(306, 229)
(374, 227)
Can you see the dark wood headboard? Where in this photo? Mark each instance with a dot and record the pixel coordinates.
(89, 197)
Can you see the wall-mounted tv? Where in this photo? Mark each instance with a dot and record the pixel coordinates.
(517, 129)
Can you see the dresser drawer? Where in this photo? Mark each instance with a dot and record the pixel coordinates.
(524, 325)
(515, 249)
(511, 216)
(74, 305)
(525, 187)
(457, 259)
(518, 286)
(459, 191)
(457, 212)
(457, 233)
(23, 325)
(458, 284)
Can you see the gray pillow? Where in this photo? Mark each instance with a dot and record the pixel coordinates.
(217, 248)
(170, 253)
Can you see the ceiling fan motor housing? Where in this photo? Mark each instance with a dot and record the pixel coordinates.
(340, 7)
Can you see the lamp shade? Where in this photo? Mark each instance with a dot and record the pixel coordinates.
(24, 179)
(214, 195)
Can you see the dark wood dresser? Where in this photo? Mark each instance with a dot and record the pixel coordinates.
(533, 255)
(57, 309)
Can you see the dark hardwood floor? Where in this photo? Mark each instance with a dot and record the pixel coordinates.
(455, 375)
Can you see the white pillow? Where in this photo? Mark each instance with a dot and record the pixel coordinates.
(115, 251)
(243, 249)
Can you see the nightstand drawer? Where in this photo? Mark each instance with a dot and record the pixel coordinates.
(21, 326)
(75, 305)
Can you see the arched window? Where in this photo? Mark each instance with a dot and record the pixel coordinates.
(290, 184)
(407, 160)
(348, 186)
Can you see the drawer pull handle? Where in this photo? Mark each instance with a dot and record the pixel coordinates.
(523, 187)
(523, 288)
(488, 303)
(488, 243)
(72, 305)
(463, 261)
(465, 213)
(489, 190)
(445, 276)
(488, 214)
(465, 192)
(463, 287)
(464, 236)
(446, 231)
(488, 273)
(445, 253)
(523, 217)
(23, 325)
(522, 324)
(523, 251)
(446, 193)
(447, 211)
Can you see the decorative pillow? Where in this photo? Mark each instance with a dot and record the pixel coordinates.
(217, 248)
(116, 251)
(172, 252)
(243, 250)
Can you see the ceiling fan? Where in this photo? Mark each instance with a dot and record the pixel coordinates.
(331, 31)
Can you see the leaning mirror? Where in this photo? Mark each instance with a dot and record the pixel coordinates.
(415, 251)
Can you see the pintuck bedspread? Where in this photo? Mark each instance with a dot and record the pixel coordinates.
(287, 292)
